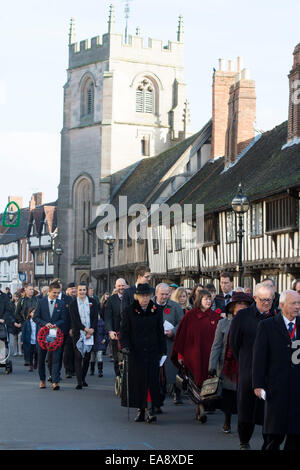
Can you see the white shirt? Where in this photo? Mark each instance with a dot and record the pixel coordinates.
(51, 306)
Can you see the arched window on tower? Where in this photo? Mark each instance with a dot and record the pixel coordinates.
(83, 205)
(145, 97)
(87, 99)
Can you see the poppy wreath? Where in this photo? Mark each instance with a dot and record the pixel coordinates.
(44, 344)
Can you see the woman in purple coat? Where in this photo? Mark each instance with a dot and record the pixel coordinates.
(101, 339)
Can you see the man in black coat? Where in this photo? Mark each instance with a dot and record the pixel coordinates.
(84, 320)
(143, 276)
(50, 312)
(226, 286)
(6, 314)
(241, 337)
(113, 320)
(276, 371)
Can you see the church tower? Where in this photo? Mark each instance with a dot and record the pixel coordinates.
(123, 101)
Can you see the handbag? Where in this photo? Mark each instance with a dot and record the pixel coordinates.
(211, 389)
(181, 380)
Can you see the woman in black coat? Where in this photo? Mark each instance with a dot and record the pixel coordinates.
(142, 339)
(84, 318)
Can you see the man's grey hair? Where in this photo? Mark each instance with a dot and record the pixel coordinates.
(120, 279)
(283, 295)
(162, 285)
(260, 286)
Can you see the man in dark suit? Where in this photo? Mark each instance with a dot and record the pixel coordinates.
(226, 286)
(242, 335)
(67, 355)
(113, 320)
(50, 312)
(276, 372)
(143, 276)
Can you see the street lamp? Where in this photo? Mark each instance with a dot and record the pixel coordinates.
(59, 251)
(240, 205)
(110, 241)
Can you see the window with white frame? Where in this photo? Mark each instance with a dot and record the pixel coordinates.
(256, 219)
(178, 237)
(155, 242)
(230, 227)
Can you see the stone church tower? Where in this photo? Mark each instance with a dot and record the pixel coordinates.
(122, 102)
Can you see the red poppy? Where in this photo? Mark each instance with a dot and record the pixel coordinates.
(154, 308)
(167, 311)
(91, 305)
(136, 310)
(219, 311)
(56, 305)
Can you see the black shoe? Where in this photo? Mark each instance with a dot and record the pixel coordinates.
(100, 369)
(49, 378)
(227, 428)
(78, 387)
(245, 446)
(92, 368)
(140, 416)
(68, 374)
(84, 384)
(150, 418)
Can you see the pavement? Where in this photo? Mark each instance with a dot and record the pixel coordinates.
(92, 418)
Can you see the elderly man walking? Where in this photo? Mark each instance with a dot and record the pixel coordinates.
(276, 373)
(172, 315)
(241, 337)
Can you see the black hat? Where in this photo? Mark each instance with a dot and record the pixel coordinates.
(143, 289)
(71, 284)
(238, 297)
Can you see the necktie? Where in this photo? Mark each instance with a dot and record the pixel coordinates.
(227, 298)
(291, 328)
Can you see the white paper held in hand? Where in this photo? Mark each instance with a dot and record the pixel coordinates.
(168, 326)
(162, 361)
(263, 394)
(89, 341)
(53, 332)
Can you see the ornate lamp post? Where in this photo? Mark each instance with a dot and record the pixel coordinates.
(240, 205)
(59, 251)
(110, 241)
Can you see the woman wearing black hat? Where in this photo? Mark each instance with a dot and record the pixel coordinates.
(142, 338)
(222, 362)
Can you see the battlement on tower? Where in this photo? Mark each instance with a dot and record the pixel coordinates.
(112, 46)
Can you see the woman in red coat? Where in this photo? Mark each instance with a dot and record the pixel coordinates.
(193, 342)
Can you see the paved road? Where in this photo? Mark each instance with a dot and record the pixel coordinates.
(92, 418)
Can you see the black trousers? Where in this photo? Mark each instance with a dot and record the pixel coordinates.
(81, 365)
(245, 431)
(115, 355)
(33, 355)
(273, 442)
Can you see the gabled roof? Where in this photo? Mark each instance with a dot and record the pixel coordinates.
(264, 170)
(146, 174)
(39, 214)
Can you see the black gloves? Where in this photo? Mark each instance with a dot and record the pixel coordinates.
(212, 373)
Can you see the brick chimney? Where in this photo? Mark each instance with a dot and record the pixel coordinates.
(39, 199)
(294, 98)
(241, 116)
(18, 200)
(222, 81)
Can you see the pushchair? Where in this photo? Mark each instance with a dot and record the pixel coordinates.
(5, 349)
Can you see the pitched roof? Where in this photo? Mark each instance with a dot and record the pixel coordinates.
(13, 234)
(146, 174)
(265, 169)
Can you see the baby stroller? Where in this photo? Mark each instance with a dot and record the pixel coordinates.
(5, 349)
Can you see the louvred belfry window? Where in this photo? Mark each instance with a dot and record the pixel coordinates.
(145, 97)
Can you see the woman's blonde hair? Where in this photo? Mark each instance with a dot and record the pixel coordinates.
(177, 293)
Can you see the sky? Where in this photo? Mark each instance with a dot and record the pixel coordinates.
(34, 57)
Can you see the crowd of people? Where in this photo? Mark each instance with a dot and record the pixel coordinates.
(159, 337)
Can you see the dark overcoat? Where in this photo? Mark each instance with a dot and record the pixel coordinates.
(278, 375)
(241, 338)
(142, 333)
(112, 315)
